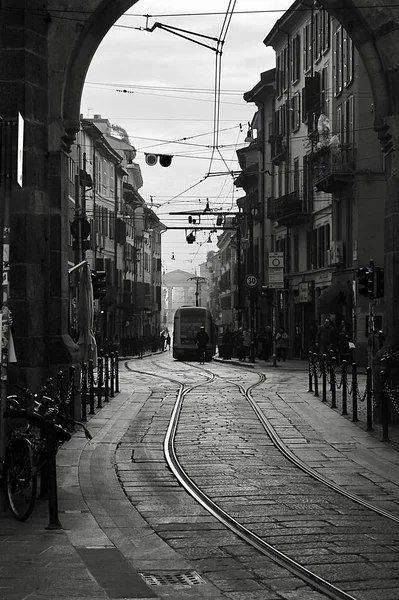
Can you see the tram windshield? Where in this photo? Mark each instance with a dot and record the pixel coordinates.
(190, 322)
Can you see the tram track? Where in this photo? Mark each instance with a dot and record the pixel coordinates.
(184, 389)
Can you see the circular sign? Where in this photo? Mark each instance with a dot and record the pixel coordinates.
(80, 228)
(251, 281)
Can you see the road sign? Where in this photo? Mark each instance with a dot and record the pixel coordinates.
(276, 260)
(276, 278)
(251, 281)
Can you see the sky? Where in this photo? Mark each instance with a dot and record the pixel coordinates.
(161, 89)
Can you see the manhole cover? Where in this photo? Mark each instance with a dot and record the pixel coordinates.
(189, 578)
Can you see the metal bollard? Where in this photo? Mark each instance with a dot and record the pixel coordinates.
(333, 382)
(71, 388)
(344, 387)
(310, 372)
(316, 381)
(384, 406)
(91, 386)
(54, 522)
(99, 380)
(369, 398)
(117, 372)
(106, 378)
(324, 377)
(354, 393)
(83, 394)
(112, 374)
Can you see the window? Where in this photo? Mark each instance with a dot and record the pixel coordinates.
(295, 249)
(325, 25)
(324, 96)
(99, 175)
(307, 47)
(296, 175)
(317, 35)
(348, 121)
(338, 51)
(347, 59)
(295, 111)
(295, 58)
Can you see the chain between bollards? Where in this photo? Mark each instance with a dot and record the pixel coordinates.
(324, 377)
(344, 388)
(112, 375)
(354, 393)
(106, 378)
(310, 372)
(91, 387)
(333, 382)
(99, 380)
(117, 372)
(316, 381)
(384, 406)
(369, 398)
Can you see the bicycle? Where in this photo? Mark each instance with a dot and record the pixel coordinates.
(28, 445)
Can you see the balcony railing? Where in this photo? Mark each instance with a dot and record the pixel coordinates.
(290, 209)
(333, 168)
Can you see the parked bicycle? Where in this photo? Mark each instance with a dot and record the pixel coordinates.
(40, 424)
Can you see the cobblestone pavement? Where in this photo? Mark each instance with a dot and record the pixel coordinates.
(124, 514)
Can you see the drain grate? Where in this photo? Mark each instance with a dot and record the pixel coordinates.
(189, 578)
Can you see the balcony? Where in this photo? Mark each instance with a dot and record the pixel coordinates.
(278, 149)
(290, 209)
(333, 168)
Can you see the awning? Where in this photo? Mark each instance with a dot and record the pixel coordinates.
(332, 299)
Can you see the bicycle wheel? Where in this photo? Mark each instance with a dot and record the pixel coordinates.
(21, 478)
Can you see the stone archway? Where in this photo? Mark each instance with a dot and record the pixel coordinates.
(44, 57)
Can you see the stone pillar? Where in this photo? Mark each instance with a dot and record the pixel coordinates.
(38, 223)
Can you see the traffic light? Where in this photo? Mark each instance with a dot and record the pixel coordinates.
(365, 276)
(99, 282)
(165, 160)
(190, 238)
(379, 282)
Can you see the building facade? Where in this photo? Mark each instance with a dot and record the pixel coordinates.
(125, 234)
(324, 196)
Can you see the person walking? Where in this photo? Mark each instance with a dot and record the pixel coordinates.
(267, 343)
(282, 341)
(168, 341)
(247, 344)
(326, 338)
(201, 339)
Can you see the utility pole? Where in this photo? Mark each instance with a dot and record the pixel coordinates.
(197, 280)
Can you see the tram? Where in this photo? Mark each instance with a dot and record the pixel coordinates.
(187, 323)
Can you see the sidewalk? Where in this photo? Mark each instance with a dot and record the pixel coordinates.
(105, 543)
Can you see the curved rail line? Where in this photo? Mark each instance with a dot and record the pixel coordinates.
(283, 448)
(313, 580)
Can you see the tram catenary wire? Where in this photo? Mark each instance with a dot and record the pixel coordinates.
(314, 581)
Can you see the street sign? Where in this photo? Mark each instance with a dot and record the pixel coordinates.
(251, 281)
(276, 278)
(276, 260)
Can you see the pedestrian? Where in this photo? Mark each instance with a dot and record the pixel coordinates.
(326, 338)
(141, 346)
(227, 341)
(201, 339)
(282, 340)
(163, 341)
(246, 341)
(168, 341)
(267, 343)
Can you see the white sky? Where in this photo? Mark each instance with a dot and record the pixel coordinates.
(155, 118)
